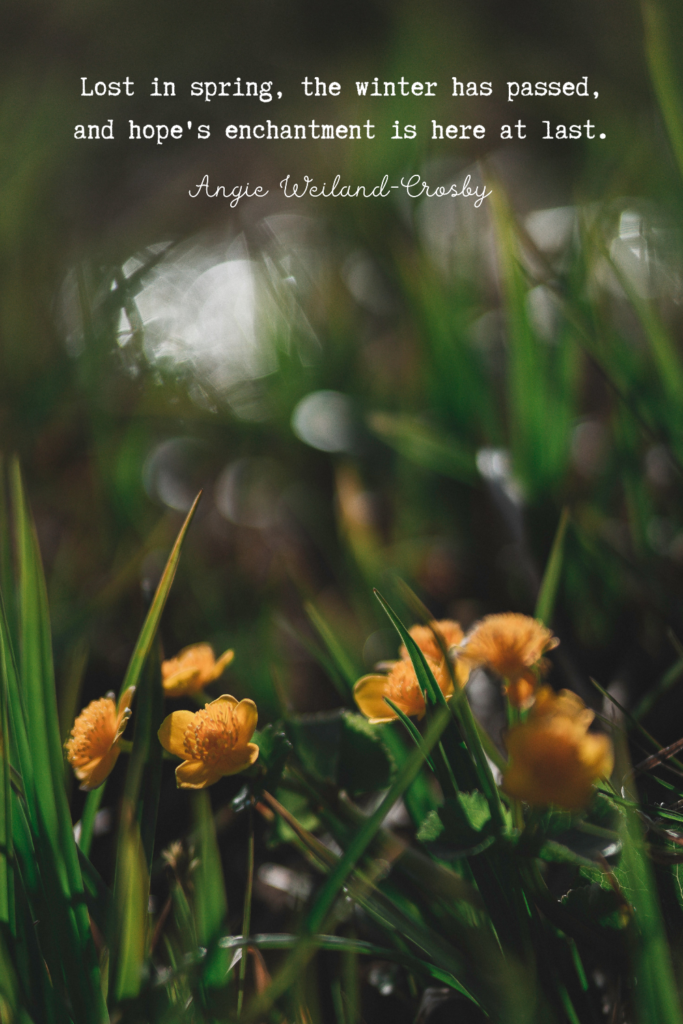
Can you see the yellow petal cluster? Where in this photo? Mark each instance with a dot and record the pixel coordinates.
(512, 645)
(93, 746)
(553, 757)
(400, 685)
(192, 669)
(212, 742)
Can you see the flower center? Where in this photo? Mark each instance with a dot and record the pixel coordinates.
(212, 735)
(93, 732)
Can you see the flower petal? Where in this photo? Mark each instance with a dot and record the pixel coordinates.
(196, 775)
(245, 717)
(368, 694)
(180, 683)
(223, 697)
(172, 732)
(225, 659)
(95, 772)
(239, 759)
(597, 755)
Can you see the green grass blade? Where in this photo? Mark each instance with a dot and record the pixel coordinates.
(419, 799)
(210, 902)
(654, 989)
(151, 623)
(131, 896)
(98, 896)
(425, 446)
(664, 350)
(92, 806)
(338, 654)
(649, 699)
(54, 839)
(341, 944)
(345, 867)
(551, 577)
(425, 676)
(128, 927)
(411, 729)
(7, 588)
(662, 65)
(6, 851)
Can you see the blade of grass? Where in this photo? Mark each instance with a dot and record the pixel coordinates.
(341, 944)
(210, 902)
(648, 701)
(663, 74)
(425, 676)
(654, 988)
(131, 897)
(551, 576)
(425, 446)
(6, 851)
(418, 797)
(7, 588)
(344, 867)
(151, 623)
(461, 767)
(92, 806)
(246, 916)
(128, 926)
(55, 843)
(328, 664)
(411, 729)
(632, 721)
(337, 652)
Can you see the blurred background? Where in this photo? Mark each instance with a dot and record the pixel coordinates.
(364, 389)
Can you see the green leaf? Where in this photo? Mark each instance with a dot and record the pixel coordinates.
(476, 809)
(597, 906)
(342, 748)
(274, 749)
(431, 828)
(459, 823)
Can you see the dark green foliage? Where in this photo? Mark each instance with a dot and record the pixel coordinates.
(343, 749)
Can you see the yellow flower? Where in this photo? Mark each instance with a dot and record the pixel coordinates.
(400, 686)
(93, 747)
(451, 633)
(212, 742)
(512, 645)
(553, 757)
(192, 669)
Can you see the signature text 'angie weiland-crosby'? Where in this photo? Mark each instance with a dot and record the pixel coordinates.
(414, 186)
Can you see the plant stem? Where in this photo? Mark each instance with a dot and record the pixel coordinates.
(246, 918)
